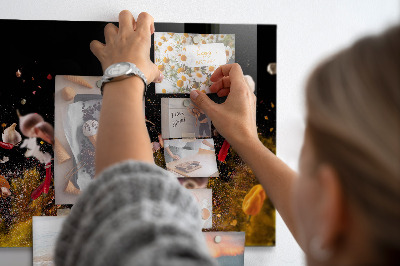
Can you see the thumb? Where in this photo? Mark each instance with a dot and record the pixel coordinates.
(202, 101)
(157, 75)
(250, 82)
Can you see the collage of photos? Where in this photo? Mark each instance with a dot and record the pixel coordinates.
(38, 173)
(226, 247)
(26, 136)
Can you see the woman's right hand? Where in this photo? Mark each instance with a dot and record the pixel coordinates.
(235, 119)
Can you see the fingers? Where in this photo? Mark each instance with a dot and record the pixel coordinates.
(223, 85)
(156, 75)
(223, 92)
(159, 78)
(110, 31)
(234, 71)
(126, 22)
(145, 23)
(201, 100)
(250, 82)
(225, 82)
(96, 47)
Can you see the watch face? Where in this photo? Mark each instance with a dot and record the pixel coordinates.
(117, 69)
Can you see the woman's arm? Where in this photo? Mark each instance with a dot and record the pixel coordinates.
(235, 120)
(175, 157)
(122, 131)
(207, 143)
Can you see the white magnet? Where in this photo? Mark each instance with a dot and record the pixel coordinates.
(271, 68)
(217, 239)
(196, 39)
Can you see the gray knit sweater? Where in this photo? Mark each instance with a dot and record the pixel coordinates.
(134, 213)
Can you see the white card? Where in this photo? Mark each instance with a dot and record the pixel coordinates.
(205, 55)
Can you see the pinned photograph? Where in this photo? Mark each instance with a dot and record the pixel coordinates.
(45, 232)
(180, 118)
(226, 247)
(191, 157)
(77, 112)
(188, 60)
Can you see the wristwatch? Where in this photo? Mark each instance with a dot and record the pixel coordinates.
(120, 71)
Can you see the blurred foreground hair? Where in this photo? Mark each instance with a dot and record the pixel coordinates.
(353, 120)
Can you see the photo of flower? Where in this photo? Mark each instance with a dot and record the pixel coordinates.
(188, 60)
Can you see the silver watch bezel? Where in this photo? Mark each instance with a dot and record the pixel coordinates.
(132, 71)
(127, 72)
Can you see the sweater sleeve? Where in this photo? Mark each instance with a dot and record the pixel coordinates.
(134, 213)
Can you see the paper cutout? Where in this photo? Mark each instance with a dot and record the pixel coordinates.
(188, 60)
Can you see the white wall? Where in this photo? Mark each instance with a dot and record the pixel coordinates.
(307, 31)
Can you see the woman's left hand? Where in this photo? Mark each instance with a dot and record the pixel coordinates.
(130, 42)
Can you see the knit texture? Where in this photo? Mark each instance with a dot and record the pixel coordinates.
(134, 213)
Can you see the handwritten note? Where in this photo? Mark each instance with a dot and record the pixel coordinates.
(211, 54)
(177, 118)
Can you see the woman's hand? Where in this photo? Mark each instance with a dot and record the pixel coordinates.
(176, 157)
(130, 42)
(235, 119)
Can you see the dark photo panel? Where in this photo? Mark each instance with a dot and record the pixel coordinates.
(34, 52)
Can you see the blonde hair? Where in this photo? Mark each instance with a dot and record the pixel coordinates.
(353, 120)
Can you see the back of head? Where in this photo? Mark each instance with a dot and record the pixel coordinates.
(353, 104)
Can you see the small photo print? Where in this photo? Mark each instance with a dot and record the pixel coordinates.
(45, 231)
(191, 157)
(180, 118)
(226, 247)
(204, 199)
(188, 60)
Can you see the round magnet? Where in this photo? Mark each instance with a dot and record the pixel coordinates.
(217, 239)
(271, 68)
(98, 84)
(196, 39)
(186, 102)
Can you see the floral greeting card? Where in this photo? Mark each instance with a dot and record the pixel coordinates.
(188, 60)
